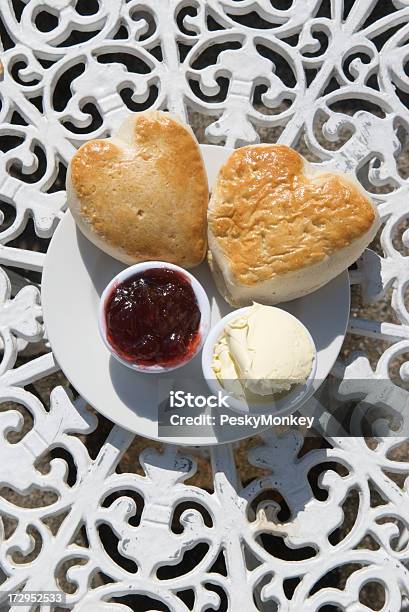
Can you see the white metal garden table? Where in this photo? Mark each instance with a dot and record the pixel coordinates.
(69, 69)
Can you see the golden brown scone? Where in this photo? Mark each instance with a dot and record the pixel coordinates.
(142, 194)
(279, 229)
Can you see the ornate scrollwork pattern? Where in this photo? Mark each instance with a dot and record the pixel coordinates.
(330, 76)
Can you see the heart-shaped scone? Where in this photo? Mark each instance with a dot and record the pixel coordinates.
(142, 194)
(279, 229)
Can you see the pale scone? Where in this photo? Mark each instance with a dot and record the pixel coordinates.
(279, 229)
(142, 194)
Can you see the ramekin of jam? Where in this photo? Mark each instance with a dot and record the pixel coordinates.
(154, 316)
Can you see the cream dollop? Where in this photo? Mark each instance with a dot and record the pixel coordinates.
(266, 352)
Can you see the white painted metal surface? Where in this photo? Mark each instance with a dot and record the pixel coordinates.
(306, 57)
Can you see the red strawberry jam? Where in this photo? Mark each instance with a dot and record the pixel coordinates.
(153, 318)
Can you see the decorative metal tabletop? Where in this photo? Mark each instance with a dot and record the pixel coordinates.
(330, 77)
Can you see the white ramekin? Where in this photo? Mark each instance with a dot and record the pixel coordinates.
(201, 298)
(283, 406)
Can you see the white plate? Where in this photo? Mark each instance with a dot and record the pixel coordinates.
(75, 274)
